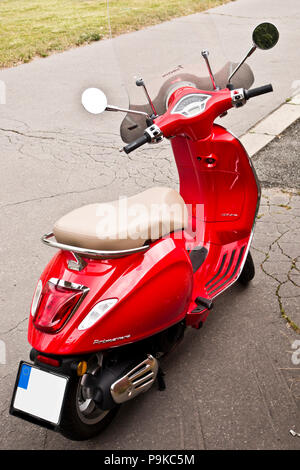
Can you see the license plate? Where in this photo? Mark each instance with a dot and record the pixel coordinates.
(39, 395)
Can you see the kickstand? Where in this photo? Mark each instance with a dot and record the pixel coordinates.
(160, 380)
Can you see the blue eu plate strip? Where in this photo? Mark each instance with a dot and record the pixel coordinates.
(24, 376)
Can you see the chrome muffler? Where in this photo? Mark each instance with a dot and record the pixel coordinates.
(136, 381)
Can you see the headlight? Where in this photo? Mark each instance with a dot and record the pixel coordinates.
(96, 313)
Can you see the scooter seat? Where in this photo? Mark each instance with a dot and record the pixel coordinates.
(125, 223)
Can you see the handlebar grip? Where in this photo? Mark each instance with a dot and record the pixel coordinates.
(258, 91)
(137, 143)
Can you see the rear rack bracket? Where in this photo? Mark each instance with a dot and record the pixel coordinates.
(78, 264)
(79, 252)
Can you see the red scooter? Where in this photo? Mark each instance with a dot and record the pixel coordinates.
(130, 276)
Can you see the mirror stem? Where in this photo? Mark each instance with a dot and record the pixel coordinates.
(211, 75)
(131, 111)
(253, 48)
(140, 82)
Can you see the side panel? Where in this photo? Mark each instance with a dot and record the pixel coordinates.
(216, 173)
(154, 290)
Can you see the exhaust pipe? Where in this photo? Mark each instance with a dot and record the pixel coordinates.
(137, 381)
(115, 385)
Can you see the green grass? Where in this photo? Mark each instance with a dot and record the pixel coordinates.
(31, 28)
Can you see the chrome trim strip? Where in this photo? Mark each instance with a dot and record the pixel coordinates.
(241, 266)
(219, 270)
(211, 288)
(256, 209)
(256, 212)
(67, 284)
(89, 253)
(234, 271)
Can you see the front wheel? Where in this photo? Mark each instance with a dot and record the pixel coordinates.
(81, 418)
(248, 271)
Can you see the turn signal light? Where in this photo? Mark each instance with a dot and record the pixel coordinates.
(81, 368)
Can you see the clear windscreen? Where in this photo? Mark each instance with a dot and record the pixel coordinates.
(170, 52)
(163, 55)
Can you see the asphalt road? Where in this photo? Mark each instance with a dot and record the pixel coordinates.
(278, 164)
(231, 385)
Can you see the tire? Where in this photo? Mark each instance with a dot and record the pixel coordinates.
(248, 271)
(81, 418)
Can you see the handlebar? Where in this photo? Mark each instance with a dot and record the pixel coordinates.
(257, 91)
(239, 96)
(137, 143)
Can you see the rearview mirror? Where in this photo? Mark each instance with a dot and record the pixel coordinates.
(265, 36)
(94, 100)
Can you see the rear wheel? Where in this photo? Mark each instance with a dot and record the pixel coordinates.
(81, 418)
(248, 271)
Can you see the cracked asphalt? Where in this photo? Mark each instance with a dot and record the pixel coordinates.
(242, 389)
(278, 234)
(232, 385)
(277, 240)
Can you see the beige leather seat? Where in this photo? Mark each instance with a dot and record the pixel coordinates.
(125, 223)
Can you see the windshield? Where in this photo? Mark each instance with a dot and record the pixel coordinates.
(164, 55)
(169, 53)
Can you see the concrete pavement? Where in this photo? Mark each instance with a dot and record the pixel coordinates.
(231, 385)
(270, 128)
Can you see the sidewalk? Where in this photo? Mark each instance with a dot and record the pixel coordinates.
(242, 388)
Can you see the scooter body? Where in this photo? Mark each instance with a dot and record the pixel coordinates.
(153, 295)
(153, 292)
(217, 173)
(159, 288)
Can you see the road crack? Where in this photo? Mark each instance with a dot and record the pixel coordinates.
(292, 268)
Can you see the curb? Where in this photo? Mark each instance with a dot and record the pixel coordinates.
(271, 126)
